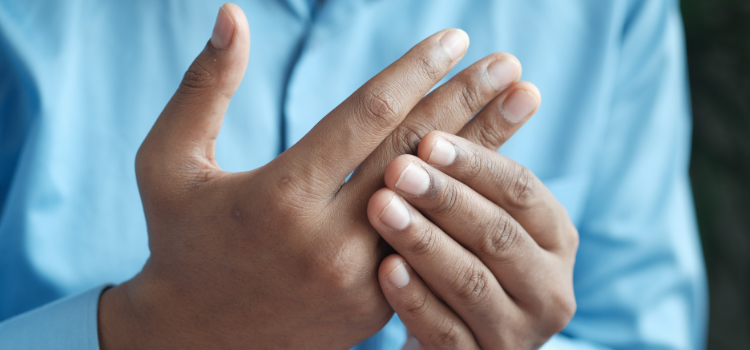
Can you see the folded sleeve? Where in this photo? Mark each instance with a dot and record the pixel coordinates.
(639, 276)
(69, 323)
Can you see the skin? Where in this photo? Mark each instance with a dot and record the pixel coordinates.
(488, 251)
(285, 256)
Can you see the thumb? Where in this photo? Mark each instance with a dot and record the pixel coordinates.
(188, 126)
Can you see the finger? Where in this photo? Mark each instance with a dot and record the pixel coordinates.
(448, 108)
(427, 318)
(508, 184)
(191, 121)
(454, 274)
(411, 342)
(347, 135)
(478, 224)
(500, 119)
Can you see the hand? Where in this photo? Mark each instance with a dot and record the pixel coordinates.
(486, 252)
(282, 256)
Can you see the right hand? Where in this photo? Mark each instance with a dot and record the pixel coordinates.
(282, 256)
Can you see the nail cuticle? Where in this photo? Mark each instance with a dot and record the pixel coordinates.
(399, 277)
(518, 106)
(455, 43)
(502, 72)
(395, 215)
(443, 153)
(414, 180)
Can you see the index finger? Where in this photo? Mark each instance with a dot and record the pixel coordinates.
(347, 135)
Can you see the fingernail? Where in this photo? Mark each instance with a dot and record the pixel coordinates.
(395, 215)
(399, 277)
(503, 72)
(443, 153)
(223, 30)
(413, 180)
(518, 106)
(455, 41)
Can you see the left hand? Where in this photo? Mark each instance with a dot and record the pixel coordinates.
(486, 251)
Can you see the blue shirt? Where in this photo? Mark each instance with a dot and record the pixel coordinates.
(82, 82)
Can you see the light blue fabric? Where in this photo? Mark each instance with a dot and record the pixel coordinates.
(68, 323)
(81, 83)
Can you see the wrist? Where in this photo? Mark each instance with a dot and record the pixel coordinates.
(127, 314)
(116, 322)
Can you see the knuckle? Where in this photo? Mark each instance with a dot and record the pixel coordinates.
(500, 240)
(473, 285)
(471, 98)
(423, 242)
(335, 268)
(477, 165)
(430, 66)
(572, 237)
(290, 197)
(418, 307)
(447, 198)
(197, 78)
(562, 310)
(339, 266)
(447, 336)
(380, 106)
(143, 164)
(407, 138)
(520, 189)
(490, 134)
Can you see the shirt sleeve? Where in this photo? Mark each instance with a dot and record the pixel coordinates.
(69, 323)
(639, 277)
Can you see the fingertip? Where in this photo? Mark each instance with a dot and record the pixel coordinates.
(455, 42)
(393, 272)
(389, 263)
(235, 13)
(378, 201)
(395, 168)
(530, 88)
(521, 103)
(503, 71)
(424, 150)
(242, 30)
(224, 29)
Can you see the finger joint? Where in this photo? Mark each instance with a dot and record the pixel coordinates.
(380, 106)
(520, 190)
(490, 133)
(448, 334)
(430, 66)
(471, 98)
(501, 238)
(562, 308)
(473, 286)
(448, 196)
(196, 78)
(424, 242)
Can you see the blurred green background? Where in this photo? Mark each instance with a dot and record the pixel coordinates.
(718, 45)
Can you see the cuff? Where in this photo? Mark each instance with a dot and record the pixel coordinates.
(68, 323)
